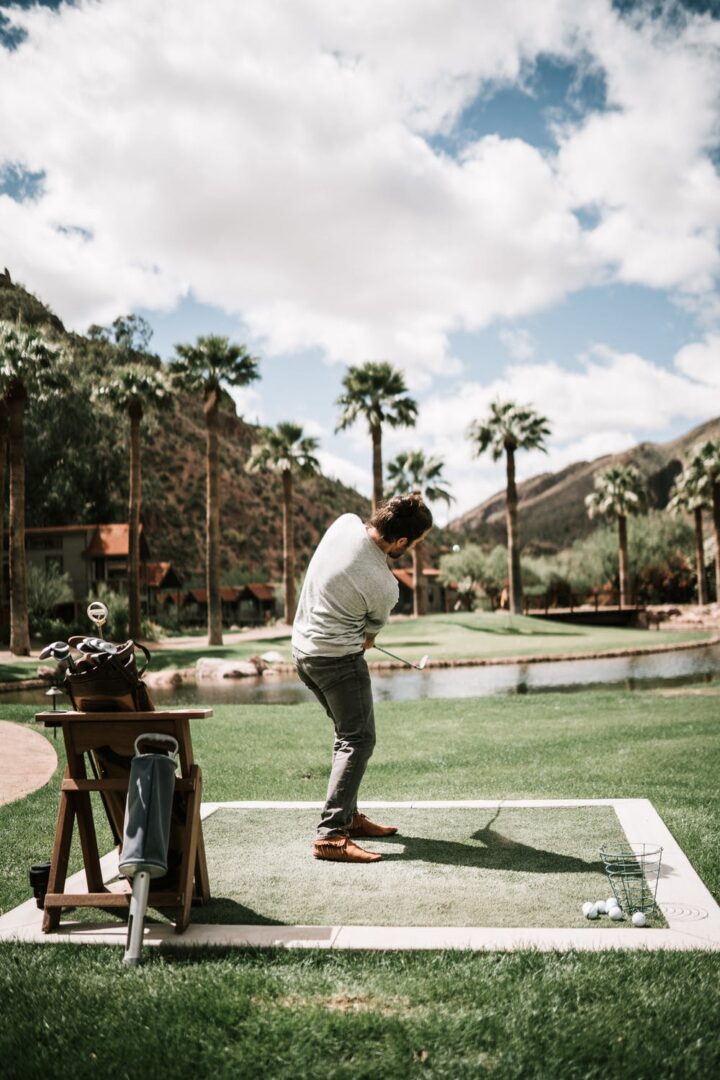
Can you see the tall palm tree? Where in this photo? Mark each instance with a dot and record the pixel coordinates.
(377, 392)
(29, 365)
(285, 450)
(709, 455)
(207, 366)
(507, 429)
(412, 471)
(619, 491)
(691, 494)
(133, 390)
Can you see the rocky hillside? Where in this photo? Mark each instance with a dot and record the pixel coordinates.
(552, 505)
(77, 468)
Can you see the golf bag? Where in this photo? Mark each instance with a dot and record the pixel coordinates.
(146, 832)
(110, 682)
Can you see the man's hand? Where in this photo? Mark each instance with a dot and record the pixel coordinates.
(369, 642)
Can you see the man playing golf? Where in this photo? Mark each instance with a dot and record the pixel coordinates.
(346, 599)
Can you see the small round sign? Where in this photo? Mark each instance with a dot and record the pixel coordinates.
(97, 612)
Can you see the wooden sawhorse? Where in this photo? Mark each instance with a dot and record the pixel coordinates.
(108, 738)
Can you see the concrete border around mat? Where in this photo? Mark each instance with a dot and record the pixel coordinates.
(692, 914)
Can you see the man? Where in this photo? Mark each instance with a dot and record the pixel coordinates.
(345, 601)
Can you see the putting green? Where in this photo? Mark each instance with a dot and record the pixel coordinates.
(514, 867)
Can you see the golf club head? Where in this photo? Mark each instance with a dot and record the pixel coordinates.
(58, 650)
(93, 645)
(422, 662)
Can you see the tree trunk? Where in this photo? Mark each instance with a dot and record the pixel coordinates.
(3, 446)
(19, 627)
(700, 556)
(716, 529)
(215, 635)
(135, 412)
(377, 496)
(288, 547)
(419, 583)
(623, 559)
(514, 578)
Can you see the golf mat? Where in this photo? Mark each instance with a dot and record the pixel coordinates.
(506, 867)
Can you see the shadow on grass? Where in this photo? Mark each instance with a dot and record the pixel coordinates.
(497, 853)
(516, 631)
(221, 910)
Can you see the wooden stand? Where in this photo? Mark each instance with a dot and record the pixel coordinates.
(109, 741)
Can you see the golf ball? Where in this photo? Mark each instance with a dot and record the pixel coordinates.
(591, 913)
(611, 903)
(601, 907)
(638, 919)
(586, 908)
(615, 913)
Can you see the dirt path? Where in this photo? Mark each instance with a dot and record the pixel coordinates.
(27, 761)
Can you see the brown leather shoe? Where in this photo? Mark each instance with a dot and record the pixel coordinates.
(342, 849)
(361, 826)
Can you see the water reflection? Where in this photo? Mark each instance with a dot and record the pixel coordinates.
(628, 672)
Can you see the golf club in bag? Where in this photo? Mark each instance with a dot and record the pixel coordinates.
(146, 831)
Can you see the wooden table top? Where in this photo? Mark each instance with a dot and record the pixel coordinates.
(54, 718)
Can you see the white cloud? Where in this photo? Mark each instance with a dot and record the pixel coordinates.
(700, 360)
(612, 402)
(248, 403)
(272, 157)
(348, 472)
(519, 343)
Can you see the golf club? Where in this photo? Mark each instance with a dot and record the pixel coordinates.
(58, 650)
(93, 645)
(419, 666)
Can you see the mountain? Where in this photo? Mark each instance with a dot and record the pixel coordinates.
(551, 506)
(77, 467)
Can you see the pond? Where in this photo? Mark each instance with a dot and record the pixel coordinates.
(629, 672)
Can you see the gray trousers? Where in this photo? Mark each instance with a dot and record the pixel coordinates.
(342, 686)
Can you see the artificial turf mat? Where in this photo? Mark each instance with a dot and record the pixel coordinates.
(521, 867)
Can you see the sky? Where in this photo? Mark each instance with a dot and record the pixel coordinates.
(515, 201)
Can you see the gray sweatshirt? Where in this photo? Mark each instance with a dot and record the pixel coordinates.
(348, 592)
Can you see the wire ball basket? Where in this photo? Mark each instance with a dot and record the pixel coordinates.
(633, 873)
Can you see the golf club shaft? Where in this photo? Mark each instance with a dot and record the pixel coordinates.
(395, 657)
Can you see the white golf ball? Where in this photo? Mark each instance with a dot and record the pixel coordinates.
(601, 907)
(638, 919)
(591, 913)
(586, 908)
(615, 913)
(611, 903)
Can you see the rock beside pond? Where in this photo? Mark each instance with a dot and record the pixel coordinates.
(272, 656)
(209, 668)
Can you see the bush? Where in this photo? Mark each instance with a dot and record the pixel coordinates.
(47, 590)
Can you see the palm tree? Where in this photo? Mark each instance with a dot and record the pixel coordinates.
(709, 455)
(691, 494)
(412, 471)
(285, 450)
(29, 365)
(132, 390)
(376, 391)
(619, 491)
(510, 428)
(207, 366)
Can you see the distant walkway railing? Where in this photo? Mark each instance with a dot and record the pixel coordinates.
(602, 601)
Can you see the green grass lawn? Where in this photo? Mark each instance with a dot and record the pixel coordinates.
(276, 1014)
(454, 866)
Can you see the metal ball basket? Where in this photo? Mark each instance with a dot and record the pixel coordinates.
(633, 873)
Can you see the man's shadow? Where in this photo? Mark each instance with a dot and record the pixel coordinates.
(497, 853)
